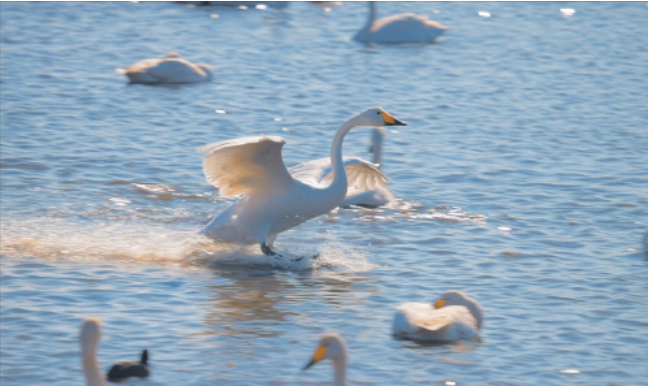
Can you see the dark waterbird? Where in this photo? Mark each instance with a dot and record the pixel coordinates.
(126, 369)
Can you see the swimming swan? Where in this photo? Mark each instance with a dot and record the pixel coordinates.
(364, 197)
(90, 336)
(171, 69)
(381, 195)
(332, 347)
(402, 28)
(275, 199)
(454, 316)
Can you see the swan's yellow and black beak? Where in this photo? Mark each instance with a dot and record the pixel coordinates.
(319, 355)
(390, 120)
(440, 303)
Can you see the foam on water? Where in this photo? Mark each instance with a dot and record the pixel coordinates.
(49, 237)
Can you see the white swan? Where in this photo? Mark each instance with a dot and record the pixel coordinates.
(275, 199)
(90, 336)
(332, 347)
(170, 69)
(402, 28)
(454, 316)
(364, 197)
(381, 195)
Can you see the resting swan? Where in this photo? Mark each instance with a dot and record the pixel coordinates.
(402, 28)
(332, 347)
(170, 69)
(275, 199)
(454, 316)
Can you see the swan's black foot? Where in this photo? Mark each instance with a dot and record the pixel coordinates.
(268, 251)
(315, 256)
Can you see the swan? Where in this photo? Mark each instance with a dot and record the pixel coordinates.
(126, 369)
(275, 199)
(170, 69)
(90, 336)
(381, 195)
(332, 347)
(454, 316)
(364, 197)
(402, 28)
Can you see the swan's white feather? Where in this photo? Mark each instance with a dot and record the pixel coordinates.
(170, 69)
(401, 28)
(251, 165)
(360, 173)
(420, 321)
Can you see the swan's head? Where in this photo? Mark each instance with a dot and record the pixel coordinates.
(455, 297)
(378, 117)
(331, 346)
(90, 332)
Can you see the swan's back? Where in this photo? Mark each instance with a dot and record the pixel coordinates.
(171, 69)
(407, 27)
(419, 321)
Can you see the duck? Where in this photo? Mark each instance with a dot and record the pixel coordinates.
(274, 199)
(401, 28)
(333, 347)
(90, 337)
(170, 69)
(453, 316)
(126, 369)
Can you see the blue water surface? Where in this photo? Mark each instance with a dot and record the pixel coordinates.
(521, 177)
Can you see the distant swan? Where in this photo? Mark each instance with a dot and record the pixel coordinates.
(381, 195)
(170, 69)
(402, 28)
(332, 347)
(90, 337)
(275, 199)
(454, 316)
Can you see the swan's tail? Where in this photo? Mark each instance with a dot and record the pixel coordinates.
(121, 71)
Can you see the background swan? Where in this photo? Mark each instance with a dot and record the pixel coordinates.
(454, 316)
(332, 347)
(90, 337)
(381, 195)
(402, 28)
(362, 195)
(170, 69)
(274, 200)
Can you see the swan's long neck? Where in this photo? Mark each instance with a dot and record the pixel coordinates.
(90, 366)
(339, 174)
(376, 146)
(339, 367)
(372, 15)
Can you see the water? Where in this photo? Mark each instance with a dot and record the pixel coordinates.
(522, 179)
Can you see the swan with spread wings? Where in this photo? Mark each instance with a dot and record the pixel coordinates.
(274, 198)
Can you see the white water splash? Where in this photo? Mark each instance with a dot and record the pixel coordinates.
(55, 238)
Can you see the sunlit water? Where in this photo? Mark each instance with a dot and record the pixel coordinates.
(522, 177)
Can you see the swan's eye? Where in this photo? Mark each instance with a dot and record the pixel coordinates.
(378, 113)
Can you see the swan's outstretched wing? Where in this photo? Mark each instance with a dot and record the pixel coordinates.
(360, 173)
(251, 165)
